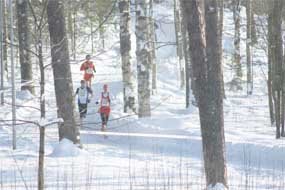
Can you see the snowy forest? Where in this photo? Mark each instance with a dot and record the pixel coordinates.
(142, 94)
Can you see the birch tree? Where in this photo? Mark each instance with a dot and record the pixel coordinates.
(125, 47)
(143, 58)
(61, 71)
(205, 58)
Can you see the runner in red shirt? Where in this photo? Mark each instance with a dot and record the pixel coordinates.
(89, 70)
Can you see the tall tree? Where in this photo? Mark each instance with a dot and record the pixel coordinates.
(24, 44)
(125, 47)
(248, 46)
(205, 58)
(61, 71)
(143, 57)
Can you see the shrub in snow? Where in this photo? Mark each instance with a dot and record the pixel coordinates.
(66, 148)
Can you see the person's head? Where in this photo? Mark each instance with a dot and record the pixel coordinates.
(105, 87)
(88, 57)
(82, 83)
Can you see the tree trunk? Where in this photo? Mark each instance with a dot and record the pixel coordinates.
(253, 29)
(1, 54)
(43, 115)
(61, 71)
(179, 45)
(125, 47)
(236, 16)
(248, 47)
(70, 24)
(270, 73)
(185, 41)
(276, 59)
(206, 62)
(5, 38)
(143, 60)
(221, 27)
(153, 50)
(24, 44)
(74, 34)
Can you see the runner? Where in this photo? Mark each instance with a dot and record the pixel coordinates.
(84, 94)
(104, 109)
(89, 70)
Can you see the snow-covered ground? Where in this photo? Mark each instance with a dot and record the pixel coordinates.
(161, 152)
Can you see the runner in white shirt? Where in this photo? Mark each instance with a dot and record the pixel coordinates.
(84, 94)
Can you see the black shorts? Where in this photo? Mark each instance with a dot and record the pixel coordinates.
(82, 109)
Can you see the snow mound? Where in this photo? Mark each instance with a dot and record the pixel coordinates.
(24, 95)
(218, 186)
(66, 148)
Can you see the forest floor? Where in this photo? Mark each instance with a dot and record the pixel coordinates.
(161, 152)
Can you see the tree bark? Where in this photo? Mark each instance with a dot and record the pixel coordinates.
(61, 71)
(143, 58)
(125, 47)
(24, 44)
(206, 62)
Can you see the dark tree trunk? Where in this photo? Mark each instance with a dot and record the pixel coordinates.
(43, 115)
(236, 15)
(61, 71)
(269, 81)
(24, 44)
(206, 62)
(276, 60)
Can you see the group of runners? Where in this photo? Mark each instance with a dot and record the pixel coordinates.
(84, 93)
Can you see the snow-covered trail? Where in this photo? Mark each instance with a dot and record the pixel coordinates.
(158, 151)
